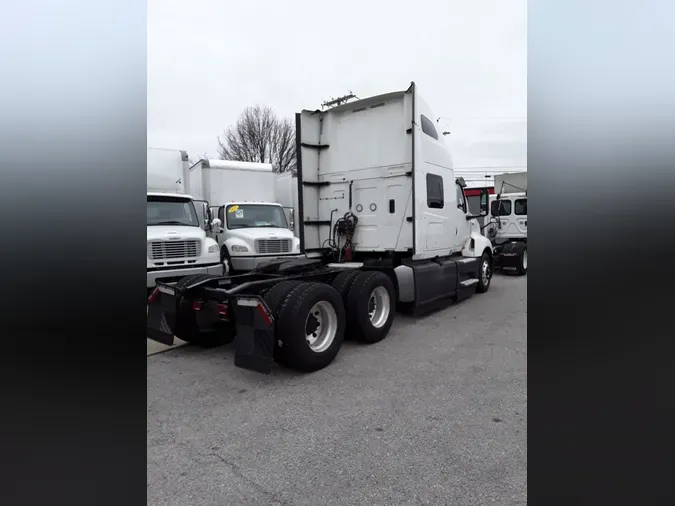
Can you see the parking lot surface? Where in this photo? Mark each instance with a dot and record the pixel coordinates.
(434, 414)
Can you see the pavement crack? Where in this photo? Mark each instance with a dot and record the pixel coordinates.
(236, 470)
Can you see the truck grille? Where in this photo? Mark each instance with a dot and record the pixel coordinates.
(268, 246)
(163, 250)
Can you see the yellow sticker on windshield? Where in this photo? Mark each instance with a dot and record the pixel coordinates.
(232, 209)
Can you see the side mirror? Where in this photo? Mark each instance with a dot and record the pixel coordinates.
(291, 222)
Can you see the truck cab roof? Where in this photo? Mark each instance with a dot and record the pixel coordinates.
(170, 195)
(511, 195)
(252, 202)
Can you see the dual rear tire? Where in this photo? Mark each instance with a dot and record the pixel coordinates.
(313, 319)
(370, 299)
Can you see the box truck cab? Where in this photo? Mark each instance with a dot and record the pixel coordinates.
(177, 242)
(507, 229)
(253, 228)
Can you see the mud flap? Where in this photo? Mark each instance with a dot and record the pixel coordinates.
(507, 257)
(162, 316)
(254, 340)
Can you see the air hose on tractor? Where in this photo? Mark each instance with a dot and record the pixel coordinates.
(341, 240)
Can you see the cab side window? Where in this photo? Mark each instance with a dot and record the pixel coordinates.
(435, 198)
(521, 207)
(503, 206)
(461, 200)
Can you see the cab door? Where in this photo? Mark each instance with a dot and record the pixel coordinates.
(219, 235)
(203, 215)
(462, 227)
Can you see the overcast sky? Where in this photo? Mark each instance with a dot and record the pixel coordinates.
(208, 59)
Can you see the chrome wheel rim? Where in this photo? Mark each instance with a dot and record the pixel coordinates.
(485, 272)
(379, 306)
(321, 326)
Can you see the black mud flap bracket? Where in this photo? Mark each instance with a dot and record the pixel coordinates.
(254, 341)
(162, 310)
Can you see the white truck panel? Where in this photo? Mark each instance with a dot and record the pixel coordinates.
(194, 182)
(286, 191)
(223, 181)
(370, 152)
(368, 155)
(166, 170)
(511, 182)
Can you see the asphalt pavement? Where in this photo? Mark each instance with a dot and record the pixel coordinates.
(434, 414)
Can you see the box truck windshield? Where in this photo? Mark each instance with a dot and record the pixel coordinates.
(171, 211)
(254, 216)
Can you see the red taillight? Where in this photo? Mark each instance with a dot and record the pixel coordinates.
(264, 315)
(196, 305)
(223, 310)
(153, 295)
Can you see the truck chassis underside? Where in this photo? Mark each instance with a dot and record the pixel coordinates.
(261, 310)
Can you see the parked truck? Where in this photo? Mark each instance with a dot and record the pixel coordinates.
(177, 242)
(507, 229)
(383, 224)
(253, 226)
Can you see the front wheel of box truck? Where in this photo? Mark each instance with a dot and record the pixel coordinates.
(310, 326)
(371, 306)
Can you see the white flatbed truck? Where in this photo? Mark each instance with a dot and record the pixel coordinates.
(383, 224)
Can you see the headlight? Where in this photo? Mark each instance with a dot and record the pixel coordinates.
(239, 249)
(213, 248)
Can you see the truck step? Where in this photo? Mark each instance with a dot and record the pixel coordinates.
(468, 282)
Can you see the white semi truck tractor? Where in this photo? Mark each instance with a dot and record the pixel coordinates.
(383, 224)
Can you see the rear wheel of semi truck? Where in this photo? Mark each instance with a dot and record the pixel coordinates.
(310, 326)
(275, 296)
(371, 302)
(342, 283)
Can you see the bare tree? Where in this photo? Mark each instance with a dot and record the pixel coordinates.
(260, 136)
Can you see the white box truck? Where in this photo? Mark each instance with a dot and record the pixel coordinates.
(254, 229)
(384, 224)
(177, 243)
